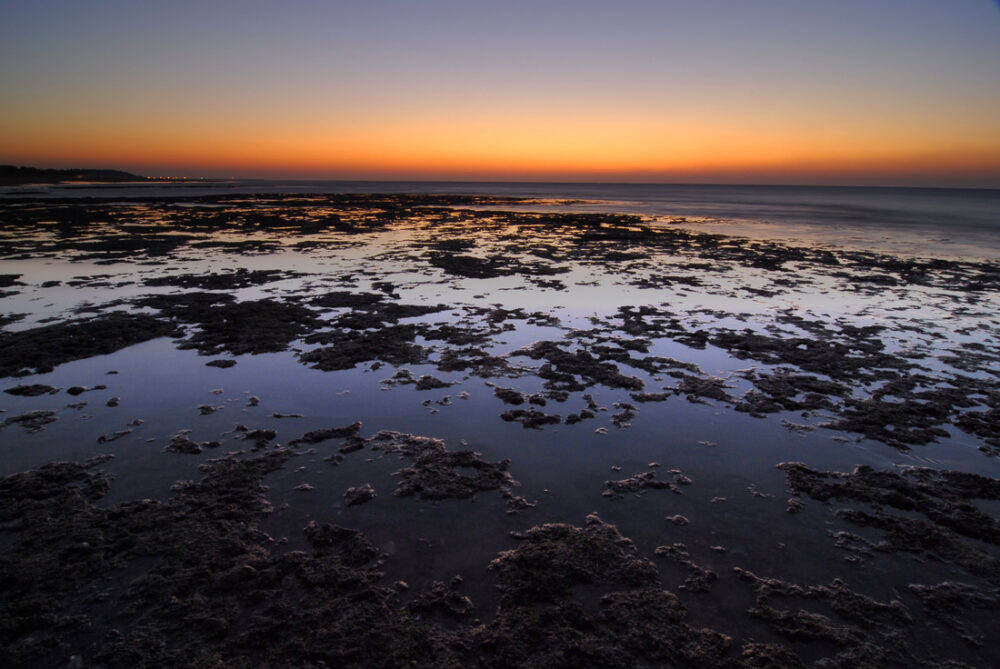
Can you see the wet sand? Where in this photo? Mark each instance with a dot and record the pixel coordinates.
(355, 430)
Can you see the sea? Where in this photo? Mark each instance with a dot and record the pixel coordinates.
(953, 223)
(733, 510)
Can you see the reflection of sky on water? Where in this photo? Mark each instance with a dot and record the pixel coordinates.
(563, 467)
(592, 293)
(914, 221)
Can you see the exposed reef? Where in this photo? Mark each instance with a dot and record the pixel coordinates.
(437, 473)
(616, 340)
(40, 349)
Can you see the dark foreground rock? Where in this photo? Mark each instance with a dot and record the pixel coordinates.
(359, 494)
(919, 510)
(645, 481)
(41, 349)
(193, 581)
(437, 473)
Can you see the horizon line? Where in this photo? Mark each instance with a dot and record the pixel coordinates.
(565, 182)
(467, 180)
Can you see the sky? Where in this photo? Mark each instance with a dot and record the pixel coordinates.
(877, 92)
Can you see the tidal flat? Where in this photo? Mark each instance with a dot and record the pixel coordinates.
(453, 430)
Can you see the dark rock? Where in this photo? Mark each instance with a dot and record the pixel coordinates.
(33, 421)
(509, 396)
(953, 525)
(626, 412)
(553, 558)
(649, 397)
(531, 418)
(899, 424)
(345, 349)
(240, 278)
(260, 326)
(427, 382)
(696, 388)
(317, 436)
(442, 600)
(181, 444)
(645, 480)
(699, 579)
(33, 390)
(435, 474)
(359, 495)
(41, 349)
(103, 439)
(563, 367)
(260, 437)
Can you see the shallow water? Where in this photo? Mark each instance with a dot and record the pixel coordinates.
(736, 500)
(932, 222)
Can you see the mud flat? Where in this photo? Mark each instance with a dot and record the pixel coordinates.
(415, 430)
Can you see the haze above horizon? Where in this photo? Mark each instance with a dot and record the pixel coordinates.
(899, 92)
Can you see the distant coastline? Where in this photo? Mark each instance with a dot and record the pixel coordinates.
(11, 175)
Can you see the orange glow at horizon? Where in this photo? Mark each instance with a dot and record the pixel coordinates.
(484, 147)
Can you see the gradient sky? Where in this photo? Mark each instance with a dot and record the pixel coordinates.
(903, 92)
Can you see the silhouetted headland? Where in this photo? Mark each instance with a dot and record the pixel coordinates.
(11, 175)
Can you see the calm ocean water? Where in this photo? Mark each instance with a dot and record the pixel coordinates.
(962, 223)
